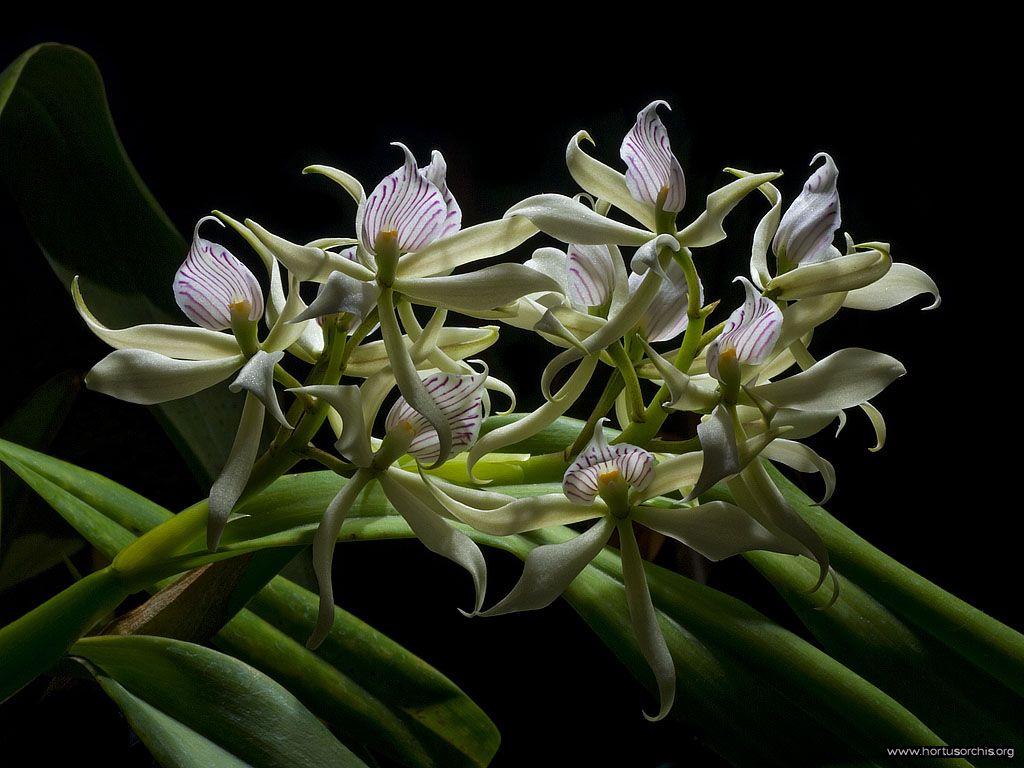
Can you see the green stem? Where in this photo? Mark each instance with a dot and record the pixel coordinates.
(605, 403)
(625, 368)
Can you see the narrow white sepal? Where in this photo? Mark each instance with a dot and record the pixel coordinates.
(551, 568)
(354, 443)
(803, 458)
(716, 529)
(644, 619)
(707, 228)
(228, 486)
(603, 182)
(344, 180)
(257, 377)
(482, 289)
(717, 435)
(144, 377)
(572, 222)
(901, 283)
(341, 293)
(439, 536)
(476, 243)
(844, 379)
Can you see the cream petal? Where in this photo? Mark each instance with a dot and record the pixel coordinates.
(802, 458)
(707, 228)
(843, 273)
(144, 377)
(476, 243)
(344, 180)
(257, 377)
(844, 379)
(231, 482)
(605, 183)
(716, 529)
(305, 262)
(573, 222)
(901, 283)
(482, 289)
(354, 443)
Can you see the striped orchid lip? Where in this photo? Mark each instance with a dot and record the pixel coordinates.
(590, 276)
(651, 168)
(808, 227)
(582, 480)
(751, 331)
(460, 400)
(415, 204)
(212, 282)
(666, 316)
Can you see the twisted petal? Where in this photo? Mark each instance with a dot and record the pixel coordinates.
(354, 443)
(807, 229)
(580, 481)
(766, 227)
(590, 275)
(842, 273)
(604, 183)
(717, 436)
(717, 529)
(436, 174)
(307, 262)
(210, 280)
(514, 515)
(550, 569)
(482, 289)
(707, 228)
(844, 379)
(257, 377)
(144, 377)
(180, 341)
(457, 343)
(228, 486)
(477, 243)
(405, 202)
(345, 180)
(666, 316)
(752, 330)
(650, 165)
(458, 398)
(901, 283)
(645, 620)
(439, 536)
(571, 221)
(341, 293)
(803, 459)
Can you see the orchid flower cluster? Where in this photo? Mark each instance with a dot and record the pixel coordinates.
(638, 335)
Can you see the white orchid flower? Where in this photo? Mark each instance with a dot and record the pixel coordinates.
(154, 363)
(616, 485)
(409, 240)
(460, 401)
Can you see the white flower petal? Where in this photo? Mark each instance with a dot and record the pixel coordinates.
(551, 568)
(516, 515)
(707, 228)
(284, 334)
(802, 317)
(666, 316)
(144, 377)
(257, 377)
(809, 225)
(650, 165)
(717, 435)
(457, 343)
(573, 222)
(645, 621)
(181, 341)
(603, 182)
(675, 473)
(477, 243)
(436, 173)
(590, 274)
(344, 180)
(752, 330)
(306, 262)
(580, 481)
(482, 289)
(210, 280)
(764, 231)
(354, 443)
(844, 379)
(405, 202)
(901, 283)
(228, 486)
(341, 293)
(716, 529)
(803, 459)
(843, 273)
(439, 536)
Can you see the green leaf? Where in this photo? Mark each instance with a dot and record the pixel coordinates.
(33, 422)
(221, 699)
(365, 686)
(985, 641)
(912, 666)
(83, 201)
(32, 554)
(172, 744)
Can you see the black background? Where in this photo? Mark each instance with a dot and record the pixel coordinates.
(224, 117)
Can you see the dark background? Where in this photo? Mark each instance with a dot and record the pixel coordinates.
(224, 118)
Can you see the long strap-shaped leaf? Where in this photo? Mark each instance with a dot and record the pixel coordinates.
(83, 201)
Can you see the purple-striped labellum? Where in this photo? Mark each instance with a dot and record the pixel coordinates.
(211, 280)
(581, 479)
(751, 330)
(410, 203)
(590, 275)
(808, 227)
(460, 400)
(666, 316)
(650, 165)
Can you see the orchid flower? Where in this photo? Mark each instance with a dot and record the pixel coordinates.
(616, 485)
(155, 363)
(460, 401)
(409, 239)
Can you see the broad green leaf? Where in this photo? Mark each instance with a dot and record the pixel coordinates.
(912, 666)
(365, 686)
(985, 641)
(222, 699)
(83, 201)
(33, 422)
(172, 744)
